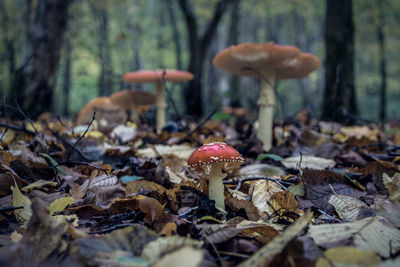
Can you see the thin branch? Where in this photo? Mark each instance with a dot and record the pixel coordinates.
(17, 128)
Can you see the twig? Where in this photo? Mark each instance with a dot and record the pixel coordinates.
(65, 125)
(17, 128)
(202, 122)
(80, 138)
(252, 178)
(169, 96)
(5, 116)
(109, 229)
(26, 117)
(11, 208)
(88, 164)
(65, 142)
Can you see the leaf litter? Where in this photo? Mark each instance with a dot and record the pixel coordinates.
(122, 195)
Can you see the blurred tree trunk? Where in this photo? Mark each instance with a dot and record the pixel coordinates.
(34, 81)
(105, 82)
(339, 95)
(176, 34)
(300, 42)
(198, 46)
(67, 75)
(234, 80)
(382, 62)
(8, 42)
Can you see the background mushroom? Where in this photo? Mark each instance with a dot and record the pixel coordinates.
(108, 115)
(268, 62)
(157, 77)
(212, 162)
(130, 100)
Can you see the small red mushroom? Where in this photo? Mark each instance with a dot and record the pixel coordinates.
(212, 161)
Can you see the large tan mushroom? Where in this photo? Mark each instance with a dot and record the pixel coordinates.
(108, 115)
(268, 62)
(131, 100)
(158, 77)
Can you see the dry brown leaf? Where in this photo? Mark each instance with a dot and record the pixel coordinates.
(153, 209)
(169, 229)
(236, 204)
(267, 253)
(262, 233)
(389, 210)
(185, 256)
(141, 186)
(348, 256)
(39, 184)
(348, 208)
(283, 201)
(163, 245)
(262, 192)
(393, 185)
(373, 233)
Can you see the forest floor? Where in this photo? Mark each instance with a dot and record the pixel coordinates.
(326, 194)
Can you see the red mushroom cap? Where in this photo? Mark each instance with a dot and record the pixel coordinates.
(217, 152)
(146, 76)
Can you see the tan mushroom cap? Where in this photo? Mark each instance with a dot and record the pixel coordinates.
(104, 109)
(127, 98)
(145, 76)
(254, 59)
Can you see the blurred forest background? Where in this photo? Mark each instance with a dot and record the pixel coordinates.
(103, 39)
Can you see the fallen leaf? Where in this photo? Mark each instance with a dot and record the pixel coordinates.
(389, 210)
(262, 192)
(19, 200)
(309, 162)
(163, 245)
(185, 256)
(39, 184)
(348, 256)
(267, 253)
(180, 151)
(373, 233)
(348, 208)
(393, 186)
(60, 204)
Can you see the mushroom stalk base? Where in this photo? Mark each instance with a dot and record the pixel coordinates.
(161, 105)
(134, 116)
(266, 103)
(216, 187)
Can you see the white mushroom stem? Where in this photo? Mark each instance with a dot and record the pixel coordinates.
(216, 186)
(266, 102)
(161, 105)
(134, 116)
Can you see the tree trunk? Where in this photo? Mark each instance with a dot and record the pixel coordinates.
(298, 21)
(382, 62)
(34, 82)
(8, 42)
(105, 83)
(339, 95)
(176, 35)
(67, 75)
(198, 46)
(234, 80)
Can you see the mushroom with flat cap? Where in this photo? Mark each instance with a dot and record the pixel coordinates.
(268, 62)
(158, 77)
(212, 161)
(108, 115)
(130, 100)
